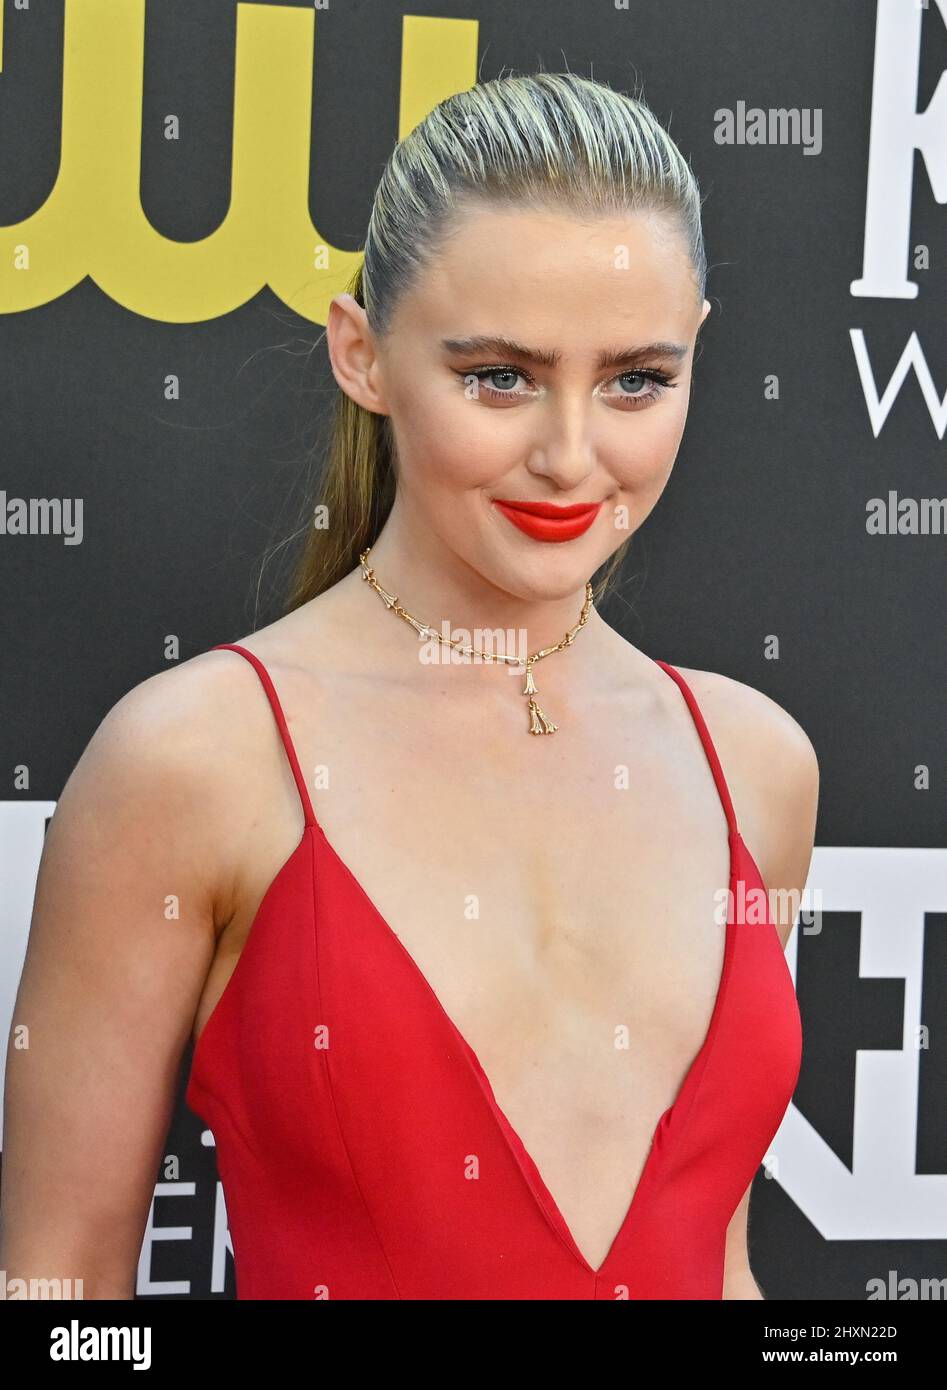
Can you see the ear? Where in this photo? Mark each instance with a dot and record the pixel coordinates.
(353, 354)
(704, 312)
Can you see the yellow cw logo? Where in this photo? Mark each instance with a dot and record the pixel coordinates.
(93, 224)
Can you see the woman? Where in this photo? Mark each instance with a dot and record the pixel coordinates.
(477, 1015)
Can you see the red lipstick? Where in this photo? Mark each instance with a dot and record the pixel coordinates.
(545, 521)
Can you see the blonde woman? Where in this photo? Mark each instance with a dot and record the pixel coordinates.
(460, 874)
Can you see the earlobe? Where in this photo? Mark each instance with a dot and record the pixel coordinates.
(352, 353)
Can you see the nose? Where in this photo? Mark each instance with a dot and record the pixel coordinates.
(564, 452)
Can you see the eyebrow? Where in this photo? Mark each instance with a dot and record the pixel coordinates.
(505, 347)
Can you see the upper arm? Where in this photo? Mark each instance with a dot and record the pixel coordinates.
(738, 1281)
(782, 814)
(123, 928)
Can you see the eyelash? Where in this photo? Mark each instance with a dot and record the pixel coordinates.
(661, 381)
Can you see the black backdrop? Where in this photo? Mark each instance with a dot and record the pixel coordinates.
(757, 562)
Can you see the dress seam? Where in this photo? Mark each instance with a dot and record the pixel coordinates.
(215, 1101)
(328, 1073)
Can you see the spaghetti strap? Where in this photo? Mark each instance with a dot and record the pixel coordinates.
(715, 765)
(280, 718)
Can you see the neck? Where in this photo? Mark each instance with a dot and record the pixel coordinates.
(439, 588)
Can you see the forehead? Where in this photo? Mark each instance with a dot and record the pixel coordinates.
(540, 273)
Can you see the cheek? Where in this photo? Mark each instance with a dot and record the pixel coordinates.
(447, 441)
(643, 452)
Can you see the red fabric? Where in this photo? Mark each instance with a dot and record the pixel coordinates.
(347, 1108)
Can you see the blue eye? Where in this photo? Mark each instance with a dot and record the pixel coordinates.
(481, 374)
(660, 382)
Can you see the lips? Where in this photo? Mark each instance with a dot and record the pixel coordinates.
(545, 521)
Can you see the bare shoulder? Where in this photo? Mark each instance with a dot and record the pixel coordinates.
(744, 716)
(170, 762)
(772, 771)
(171, 724)
(208, 719)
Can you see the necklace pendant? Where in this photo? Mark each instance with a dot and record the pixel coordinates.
(538, 723)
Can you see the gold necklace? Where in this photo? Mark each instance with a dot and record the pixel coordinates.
(538, 722)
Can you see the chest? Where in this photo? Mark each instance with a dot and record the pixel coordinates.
(561, 895)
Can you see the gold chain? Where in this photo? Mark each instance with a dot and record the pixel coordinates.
(538, 722)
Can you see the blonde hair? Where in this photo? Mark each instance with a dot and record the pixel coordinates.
(549, 140)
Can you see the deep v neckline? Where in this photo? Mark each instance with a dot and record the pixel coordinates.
(657, 1152)
(670, 1123)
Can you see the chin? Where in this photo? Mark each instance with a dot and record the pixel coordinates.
(548, 577)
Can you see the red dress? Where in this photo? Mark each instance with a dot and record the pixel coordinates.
(346, 1108)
